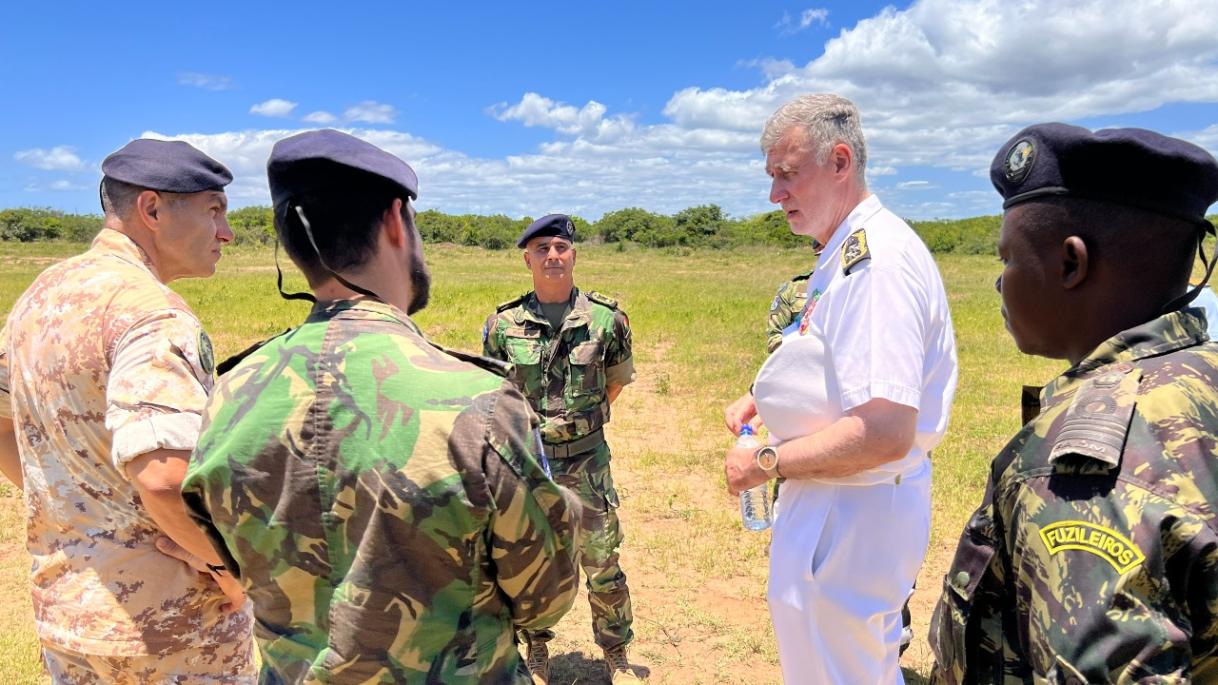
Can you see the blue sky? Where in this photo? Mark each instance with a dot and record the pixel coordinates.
(538, 107)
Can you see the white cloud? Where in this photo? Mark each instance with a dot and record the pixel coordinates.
(808, 17)
(371, 112)
(275, 107)
(940, 85)
(320, 117)
(1206, 138)
(915, 185)
(59, 186)
(58, 158)
(945, 82)
(245, 153)
(588, 121)
(205, 81)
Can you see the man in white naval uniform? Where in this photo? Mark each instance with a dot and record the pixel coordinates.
(855, 398)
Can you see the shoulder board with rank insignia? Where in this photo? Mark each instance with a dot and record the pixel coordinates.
(1098, 420)
(503, 307)
(602, 299)
(855, 251)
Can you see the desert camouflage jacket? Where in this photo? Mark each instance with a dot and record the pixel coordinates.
(1094, 555)
(564, 373)
(788, 301)
(100, 363)
(383, 504)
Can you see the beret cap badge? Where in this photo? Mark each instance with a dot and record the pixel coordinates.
(1019, 160)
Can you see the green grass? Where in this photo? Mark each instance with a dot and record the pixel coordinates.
(698, 321)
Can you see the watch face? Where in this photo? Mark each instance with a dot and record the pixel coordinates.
(767, 458)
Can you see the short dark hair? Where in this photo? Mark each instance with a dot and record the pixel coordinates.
(343, 215)
(118, 197)
(1159, 249)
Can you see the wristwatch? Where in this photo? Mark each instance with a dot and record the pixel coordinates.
(767, 460)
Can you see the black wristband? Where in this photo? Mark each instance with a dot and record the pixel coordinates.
(218, 569)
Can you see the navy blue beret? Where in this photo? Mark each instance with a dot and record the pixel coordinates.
(1123, 166)
(171, 166)
(551, 224)
(293, 169)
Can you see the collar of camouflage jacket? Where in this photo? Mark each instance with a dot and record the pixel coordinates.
(580, 307)
(119, 244)
(362, 309)
(1168, 333)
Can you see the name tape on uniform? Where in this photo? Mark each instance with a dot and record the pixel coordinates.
(1103, 542)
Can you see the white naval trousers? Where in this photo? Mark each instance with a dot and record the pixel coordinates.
(842, 560)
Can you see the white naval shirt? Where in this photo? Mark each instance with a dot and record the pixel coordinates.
(881, 331)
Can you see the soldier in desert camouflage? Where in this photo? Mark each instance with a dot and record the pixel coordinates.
(382, 499)
(1093, 557)
(104, 372)
(571, 355)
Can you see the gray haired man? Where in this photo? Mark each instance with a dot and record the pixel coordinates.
(854, 398)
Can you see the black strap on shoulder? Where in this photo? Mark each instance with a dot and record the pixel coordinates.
(228, 364)
(495, 366)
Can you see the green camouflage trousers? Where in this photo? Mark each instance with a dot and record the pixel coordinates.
(588, 476)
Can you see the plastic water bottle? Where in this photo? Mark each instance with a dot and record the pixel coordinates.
(755, 507)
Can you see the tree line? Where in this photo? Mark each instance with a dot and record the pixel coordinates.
(704, 226)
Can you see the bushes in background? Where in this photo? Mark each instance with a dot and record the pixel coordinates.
(701, 226)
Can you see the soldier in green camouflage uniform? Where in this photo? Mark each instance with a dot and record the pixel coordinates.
(788, 302)
(381, 499)
(1094, 555)
(571, 355)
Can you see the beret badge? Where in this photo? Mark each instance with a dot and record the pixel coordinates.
(1019, 160)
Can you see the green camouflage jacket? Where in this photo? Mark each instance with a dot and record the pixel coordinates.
(788, 303)
(564, 374)
(1094, 555)
(383, 504)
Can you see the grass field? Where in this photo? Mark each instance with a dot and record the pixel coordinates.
(696, 577)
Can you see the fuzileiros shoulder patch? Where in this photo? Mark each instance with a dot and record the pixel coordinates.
(1101, 541)
(855, 251)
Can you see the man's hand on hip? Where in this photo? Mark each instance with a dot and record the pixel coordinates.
(228, 585)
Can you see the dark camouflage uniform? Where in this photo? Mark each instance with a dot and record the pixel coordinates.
(384, 505)
(1094, 555)
(788, 301)
(565, 376)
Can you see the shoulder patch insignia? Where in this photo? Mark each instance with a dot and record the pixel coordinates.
(1083, 536)
(207, 356)
(504, 306)
(602, 299)
(1098, 418)
(855, 251)
(777, 299)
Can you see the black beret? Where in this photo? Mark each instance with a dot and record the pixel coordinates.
(551, 224)
(1124, 166)
(302, 152)
(171, 166)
